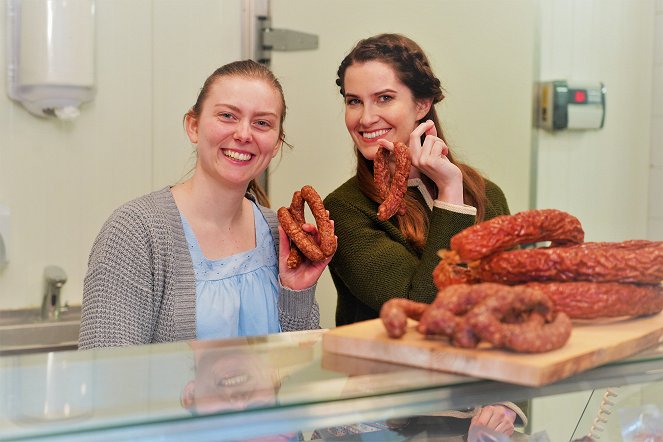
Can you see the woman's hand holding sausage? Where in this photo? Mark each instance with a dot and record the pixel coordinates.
(308, 272)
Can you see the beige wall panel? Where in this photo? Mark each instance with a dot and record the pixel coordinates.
(62, 179)
(207, 36)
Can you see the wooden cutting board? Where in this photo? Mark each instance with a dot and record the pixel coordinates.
(592, 343)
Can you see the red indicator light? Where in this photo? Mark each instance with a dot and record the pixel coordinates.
(580, 96)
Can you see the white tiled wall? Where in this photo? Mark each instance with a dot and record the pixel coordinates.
(655, 219)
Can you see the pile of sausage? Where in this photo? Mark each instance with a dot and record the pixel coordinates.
(585, 280)
(517, 318)
(523, 299)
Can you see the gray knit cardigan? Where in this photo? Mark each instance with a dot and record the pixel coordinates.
(140, 286)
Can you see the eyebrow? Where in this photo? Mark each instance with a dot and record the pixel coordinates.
(236, 109)
(381, 92)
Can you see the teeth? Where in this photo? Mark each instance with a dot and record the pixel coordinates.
(237, 155)
(234, 380)
(375, 134)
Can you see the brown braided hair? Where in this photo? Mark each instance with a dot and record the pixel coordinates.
(413, 69)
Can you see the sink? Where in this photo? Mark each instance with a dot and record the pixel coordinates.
(23, 331)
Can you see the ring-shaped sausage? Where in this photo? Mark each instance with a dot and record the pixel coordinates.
(292, 221)
(521, 319)
(507, 231)
(446, 315)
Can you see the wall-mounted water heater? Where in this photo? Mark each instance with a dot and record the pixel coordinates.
(564, 105)
(50, 55)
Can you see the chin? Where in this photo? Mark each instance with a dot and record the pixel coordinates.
(367, 152)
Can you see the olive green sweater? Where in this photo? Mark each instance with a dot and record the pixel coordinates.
(374, 262)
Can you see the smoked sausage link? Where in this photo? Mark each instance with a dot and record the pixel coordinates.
(638, 262)
(591, 300)
(393, 198)
(507, 231)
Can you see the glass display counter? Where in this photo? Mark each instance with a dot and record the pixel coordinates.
(246, 388)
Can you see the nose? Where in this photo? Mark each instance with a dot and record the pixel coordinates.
(368, 115)
(243, 131)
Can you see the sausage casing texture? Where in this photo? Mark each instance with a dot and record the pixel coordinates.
(303, 241)
(459, 299)
(322, 221)
(590, 300)
(446, 314)
(291, 219)
(522, 319)
(507, 231)
(394, 314)
(297, 212)
(381, 171)
(393, 202)
(531, 338)
(444, 317)
(449, 272)
(629, 262)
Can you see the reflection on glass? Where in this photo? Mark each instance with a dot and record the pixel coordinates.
(58, 390)
(227, 379)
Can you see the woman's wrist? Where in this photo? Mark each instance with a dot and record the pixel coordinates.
(287, 286)
(451, 194)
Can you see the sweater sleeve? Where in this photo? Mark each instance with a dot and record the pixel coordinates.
(298, 309)
(119, 305)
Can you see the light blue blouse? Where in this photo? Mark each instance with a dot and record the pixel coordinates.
(236, 295)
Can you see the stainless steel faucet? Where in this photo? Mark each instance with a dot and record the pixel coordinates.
(54, 279)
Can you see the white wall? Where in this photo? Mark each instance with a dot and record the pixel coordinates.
(601, 176)
(655, 226)
(62, 180)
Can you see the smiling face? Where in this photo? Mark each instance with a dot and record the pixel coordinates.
(229, 379)
(379, 105)
(238, 130)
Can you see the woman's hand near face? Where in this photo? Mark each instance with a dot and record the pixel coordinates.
(308, 272)
(431, 159)
(496, 417)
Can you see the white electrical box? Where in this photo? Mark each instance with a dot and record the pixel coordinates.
(564, 105)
